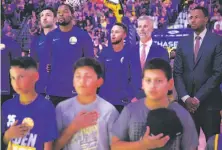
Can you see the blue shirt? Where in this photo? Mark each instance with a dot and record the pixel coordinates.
(41, 112)
(11, 50)
(115, 89)
(64, 49)
(38, 52)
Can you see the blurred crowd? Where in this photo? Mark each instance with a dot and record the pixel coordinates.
(122, 51)
(22, 17)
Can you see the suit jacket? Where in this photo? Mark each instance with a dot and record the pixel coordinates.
(135, 70)
(201, 79)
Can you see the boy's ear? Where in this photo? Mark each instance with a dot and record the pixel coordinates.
(36, 76)
(100, 82)
(170, 84)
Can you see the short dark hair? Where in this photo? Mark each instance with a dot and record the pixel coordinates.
(123, 26)
(173, 50)
(166, 121)
(70, 7)
(203, 9)
(161, 64)
(89, 62)
(51, 9)
(24, 62)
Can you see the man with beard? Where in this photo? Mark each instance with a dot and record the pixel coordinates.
(198, 73)
(115, 84)
(141, 53)
(48, 23)
(64, 46)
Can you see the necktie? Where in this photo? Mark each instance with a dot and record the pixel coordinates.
(196, 47)
(131, 32)
(143, 56)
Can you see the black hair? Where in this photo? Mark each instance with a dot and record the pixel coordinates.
(172, 57)
(166, 121)
(70, 7)
(161, 64)
(203, 9)
(24, 62)
(89, 62)
(123, 26)
(51, 9)
(173, 50)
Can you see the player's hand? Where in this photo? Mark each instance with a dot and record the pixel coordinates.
(17, 131)
(152, 142)
(196, 104)
(85, 119)
(192, 104)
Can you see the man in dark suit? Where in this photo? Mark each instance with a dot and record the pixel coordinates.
(141, 53)
(198, 73)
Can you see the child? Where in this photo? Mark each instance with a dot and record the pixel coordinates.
(28, 119)
(128, 129)
(85, 121)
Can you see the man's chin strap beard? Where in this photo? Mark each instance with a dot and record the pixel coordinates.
(48, 27)
(63, 23)
(117, 42)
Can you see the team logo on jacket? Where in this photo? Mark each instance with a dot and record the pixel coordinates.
(72, 40)
(2, 46)
(121, 60)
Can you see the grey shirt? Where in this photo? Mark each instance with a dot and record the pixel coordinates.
(132, 121)
(95, 137)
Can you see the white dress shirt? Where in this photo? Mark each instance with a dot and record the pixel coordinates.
(202, 35)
